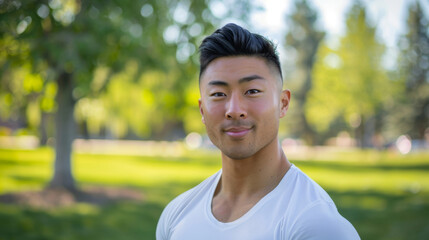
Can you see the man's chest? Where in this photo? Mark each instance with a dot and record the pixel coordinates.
(199, 223)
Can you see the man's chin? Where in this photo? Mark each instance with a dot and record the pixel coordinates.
(238, 155)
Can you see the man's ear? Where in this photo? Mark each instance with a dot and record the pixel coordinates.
(284, 104)
(201, 111)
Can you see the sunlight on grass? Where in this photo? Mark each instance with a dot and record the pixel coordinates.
(392, 181)
(142, 172)
(379, 192)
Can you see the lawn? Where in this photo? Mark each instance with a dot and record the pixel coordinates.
(384, 195)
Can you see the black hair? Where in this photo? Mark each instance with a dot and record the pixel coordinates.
(233, 40)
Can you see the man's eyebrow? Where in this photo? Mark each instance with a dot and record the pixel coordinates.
(250, 78)
(218, 83)
(242, 80)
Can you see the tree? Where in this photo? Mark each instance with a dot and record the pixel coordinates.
(67, 42)
(304, 38)
(350, 83)
(411, 113)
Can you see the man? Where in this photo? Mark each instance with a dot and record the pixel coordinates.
(258, 194)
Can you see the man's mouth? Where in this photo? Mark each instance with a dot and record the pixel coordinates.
(237, 132)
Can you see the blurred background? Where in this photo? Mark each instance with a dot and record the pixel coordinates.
(99, 119)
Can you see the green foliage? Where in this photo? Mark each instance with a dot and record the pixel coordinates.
(23, 93)
(97, 52)
(350, 83)
(95, 42)
(304, 39)
(384, 195)
(411, 113)
(193, 122)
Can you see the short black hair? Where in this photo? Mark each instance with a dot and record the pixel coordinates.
(233, 40)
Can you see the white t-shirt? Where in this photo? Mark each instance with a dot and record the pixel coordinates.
(298, 208)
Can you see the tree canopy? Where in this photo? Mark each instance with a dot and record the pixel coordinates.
(350, 83)
(125, 64)
(412, 108)
(303, 38)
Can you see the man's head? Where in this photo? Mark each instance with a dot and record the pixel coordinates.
(233, 40)
(241, 92)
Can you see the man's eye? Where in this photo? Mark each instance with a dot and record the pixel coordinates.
(252, 91)
(218, 94)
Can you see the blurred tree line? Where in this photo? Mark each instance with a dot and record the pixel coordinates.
(117, 68)
(129, 69)
(346, 88)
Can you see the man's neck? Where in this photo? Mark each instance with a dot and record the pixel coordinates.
(245, 176)
(245, 181)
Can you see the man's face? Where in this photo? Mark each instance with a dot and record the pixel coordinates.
(241, 104)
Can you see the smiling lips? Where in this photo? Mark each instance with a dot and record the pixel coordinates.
(237, 132)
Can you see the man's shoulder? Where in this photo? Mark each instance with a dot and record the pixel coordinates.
(305, 190)
(321, 220)
(189, 197)
(178, 207)
(306, 194)
(198, 190)
(311, 213)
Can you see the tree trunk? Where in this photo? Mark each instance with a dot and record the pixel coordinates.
(359, 133)
(308, 133)
(43, 132)
(368, 132)
(64, 134)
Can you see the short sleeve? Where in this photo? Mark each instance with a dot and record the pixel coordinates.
(167, 216)
(170, 214)
(321, 221)
(161, 228)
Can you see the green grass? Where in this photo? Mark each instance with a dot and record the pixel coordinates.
(384, 195)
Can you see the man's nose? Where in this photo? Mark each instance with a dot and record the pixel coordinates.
(235, 109)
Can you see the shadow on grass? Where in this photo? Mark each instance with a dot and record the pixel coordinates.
(84, 219)
(378, 215)
(11, 163)
(31, 179)
(122, 220)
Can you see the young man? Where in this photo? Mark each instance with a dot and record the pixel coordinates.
(258, 194)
